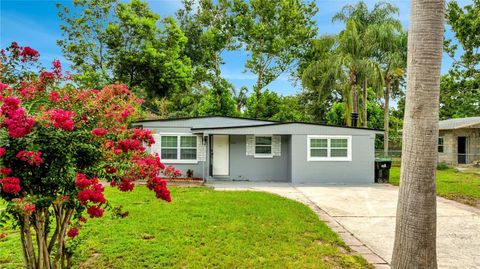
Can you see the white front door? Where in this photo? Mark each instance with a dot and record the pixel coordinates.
(220, 155)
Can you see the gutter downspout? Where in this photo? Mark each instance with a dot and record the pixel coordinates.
(204, 142)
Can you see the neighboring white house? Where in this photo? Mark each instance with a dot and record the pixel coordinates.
(245, 149)
(459, 140)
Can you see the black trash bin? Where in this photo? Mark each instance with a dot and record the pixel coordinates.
(382, 170)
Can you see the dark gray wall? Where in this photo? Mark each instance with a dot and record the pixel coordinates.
(243, 167)
(358, 171)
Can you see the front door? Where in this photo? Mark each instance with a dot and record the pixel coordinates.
(220, 156)
(462, 150)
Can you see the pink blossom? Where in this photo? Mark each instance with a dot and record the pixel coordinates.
(62, 119)
(73, 232)
(11, 185)
(100, 132)
(31, 157)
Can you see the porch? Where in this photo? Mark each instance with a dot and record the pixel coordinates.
(249, 158)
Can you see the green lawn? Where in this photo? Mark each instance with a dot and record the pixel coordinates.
(452, 184)
(203, 228)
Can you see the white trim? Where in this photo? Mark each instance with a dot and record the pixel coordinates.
(178, 147)
(259, 155)
(179, 161)
(329, 158)
(263, 156)
(442, 145)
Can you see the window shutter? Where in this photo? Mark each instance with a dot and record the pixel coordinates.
(250, 144)
(155, 148)
(201, 149)
(276, 145)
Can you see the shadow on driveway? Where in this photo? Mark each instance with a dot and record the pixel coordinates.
(368, 213)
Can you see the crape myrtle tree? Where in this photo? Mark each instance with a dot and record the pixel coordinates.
(56, 144)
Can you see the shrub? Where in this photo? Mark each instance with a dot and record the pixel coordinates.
(442, 166)
(56, 145)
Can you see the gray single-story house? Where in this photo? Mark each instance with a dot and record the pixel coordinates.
(459, 140)
(229, 148)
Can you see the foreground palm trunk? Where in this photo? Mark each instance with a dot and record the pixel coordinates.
(415, 234)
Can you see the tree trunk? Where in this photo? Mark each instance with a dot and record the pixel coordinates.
(415, 232)
(353, 90)
(217, 86)
(386, 117)
(258, 93)
(27, 243)
(40, 257)
(365, 102)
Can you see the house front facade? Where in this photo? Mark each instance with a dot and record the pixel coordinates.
(227, 148)
(459, 141)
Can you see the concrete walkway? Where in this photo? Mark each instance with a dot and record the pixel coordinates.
(367, 213)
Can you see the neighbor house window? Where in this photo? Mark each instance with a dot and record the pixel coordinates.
(263, 146)
(178, 148)
(440, 144)
(329, 148)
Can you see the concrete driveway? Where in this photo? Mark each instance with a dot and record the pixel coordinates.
(368, 213)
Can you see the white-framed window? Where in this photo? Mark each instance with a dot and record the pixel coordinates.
(178, 148)
(329, 148)
(440, 144)
(263, 147)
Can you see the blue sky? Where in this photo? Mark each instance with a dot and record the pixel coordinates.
(35, 23)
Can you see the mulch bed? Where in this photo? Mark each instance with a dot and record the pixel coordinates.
(184, 181)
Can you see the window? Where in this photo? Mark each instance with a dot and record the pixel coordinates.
(319, 147)
(169, 148)
(263, 146)
(188, 147)
(440, 144)
(178, 148)
(329, 148)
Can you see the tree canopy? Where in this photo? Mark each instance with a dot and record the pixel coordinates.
(176, 63)
(460, 87)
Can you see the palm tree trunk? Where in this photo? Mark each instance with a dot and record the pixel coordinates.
(365, 102)
(415, 232)
(353, 91)
(386, 117)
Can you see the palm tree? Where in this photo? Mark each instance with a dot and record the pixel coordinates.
(415, 232)
(390, 51)
(353, 57)
(339, 66)
(240, 97)
(322, 77)
(381, 16)
(382, 12)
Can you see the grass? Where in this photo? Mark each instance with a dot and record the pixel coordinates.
(203, 228)
(461, 186)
